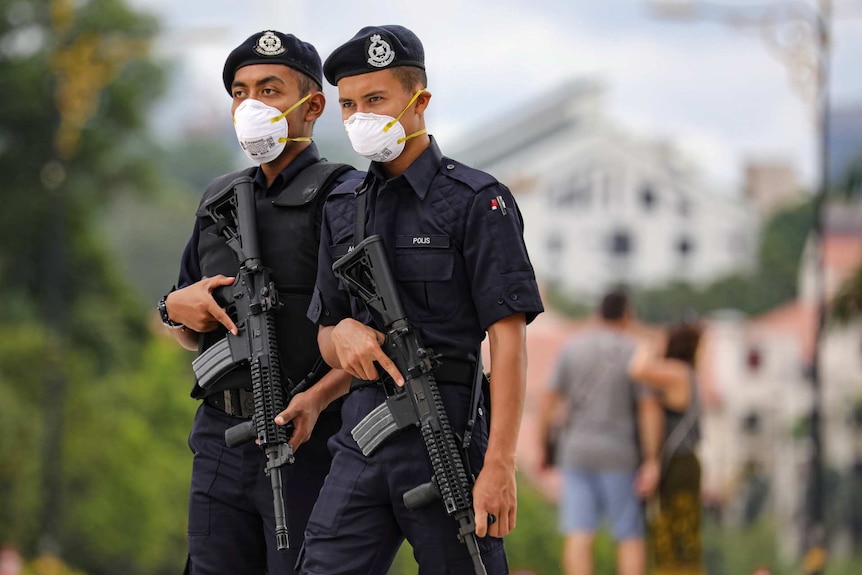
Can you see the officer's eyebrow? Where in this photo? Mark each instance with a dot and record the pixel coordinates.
(258, 83)
(267, 80)
(363, 96)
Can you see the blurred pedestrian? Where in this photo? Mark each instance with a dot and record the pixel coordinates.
(675, 527)
(274, 81)
(609, 442)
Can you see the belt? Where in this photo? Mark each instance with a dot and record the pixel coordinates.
(235, 402)
(456, 371)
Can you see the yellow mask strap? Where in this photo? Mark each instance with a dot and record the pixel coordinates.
(413, 135)
(407, 107)
(291, 109)
(285, 113)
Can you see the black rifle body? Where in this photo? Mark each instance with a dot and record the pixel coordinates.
(365, 272)
(252, 301)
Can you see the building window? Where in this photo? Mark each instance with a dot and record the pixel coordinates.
(753, 359)
(576, 191)
(648, 198)
(685, 246)
(751, 423)
(555, 244)
(621, 243)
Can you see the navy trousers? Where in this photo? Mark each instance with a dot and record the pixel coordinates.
(231, 526)
(360, 519)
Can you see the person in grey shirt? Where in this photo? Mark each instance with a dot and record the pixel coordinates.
(610, 433)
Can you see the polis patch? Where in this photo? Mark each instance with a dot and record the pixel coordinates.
(422, 241)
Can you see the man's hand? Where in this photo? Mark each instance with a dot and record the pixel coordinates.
(357, 347)
(495, 492)
(303, 410)
(648, 475)
(194, 306)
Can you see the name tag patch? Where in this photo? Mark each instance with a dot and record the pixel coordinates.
(422, 241)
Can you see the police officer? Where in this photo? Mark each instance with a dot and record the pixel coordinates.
(454, 237)
(275, 82)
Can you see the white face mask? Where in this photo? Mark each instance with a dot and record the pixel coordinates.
(376, 137)
(262, 130)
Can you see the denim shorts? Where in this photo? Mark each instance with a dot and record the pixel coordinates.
(589, 496)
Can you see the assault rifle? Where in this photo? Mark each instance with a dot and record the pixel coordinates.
(252, 301)
(365, 272)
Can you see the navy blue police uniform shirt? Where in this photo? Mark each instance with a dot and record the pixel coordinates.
(459, 256)
(190, 269)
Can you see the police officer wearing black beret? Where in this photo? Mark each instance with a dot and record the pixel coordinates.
(275, 82)
(454, 237)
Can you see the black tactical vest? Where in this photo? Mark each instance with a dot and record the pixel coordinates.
(288, 245)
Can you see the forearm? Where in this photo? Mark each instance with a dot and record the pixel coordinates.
(327, 347)
(508, 388)
(651, 428)
(331, 386)
(186, 337)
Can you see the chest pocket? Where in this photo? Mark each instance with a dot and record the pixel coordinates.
(424, 273)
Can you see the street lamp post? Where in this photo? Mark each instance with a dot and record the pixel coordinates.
(799, 34)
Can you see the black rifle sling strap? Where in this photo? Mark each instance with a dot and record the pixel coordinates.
(361, 215)
(475, 398)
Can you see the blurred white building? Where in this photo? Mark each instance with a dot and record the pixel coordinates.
(760, 370)
(602, 207)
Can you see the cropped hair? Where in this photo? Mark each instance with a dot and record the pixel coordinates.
(683, 340)
(410, 77)
(614, 305)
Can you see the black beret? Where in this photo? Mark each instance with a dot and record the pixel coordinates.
(271, 47)
(374, 48)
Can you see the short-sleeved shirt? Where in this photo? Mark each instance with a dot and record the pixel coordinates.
(601, 427)
(454, 236)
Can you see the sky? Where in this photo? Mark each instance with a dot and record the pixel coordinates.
(715, 91)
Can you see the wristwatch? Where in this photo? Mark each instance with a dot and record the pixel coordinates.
(163, 313)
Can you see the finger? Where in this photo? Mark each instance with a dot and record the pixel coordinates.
(389, 367)
(481, 521)
(221, 280)
(223, 318)
(299, 436)
(284, 417)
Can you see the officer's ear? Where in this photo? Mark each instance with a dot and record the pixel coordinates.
(315, 106)
(422, 101)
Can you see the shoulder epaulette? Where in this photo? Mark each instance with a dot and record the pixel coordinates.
(475, 179)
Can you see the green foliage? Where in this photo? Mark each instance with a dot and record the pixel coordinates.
(738, 551)
(132, 429)
(93, 456)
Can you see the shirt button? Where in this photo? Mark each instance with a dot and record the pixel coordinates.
(326, 312)
(500, 301)
(514, 296)
(450, 167)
